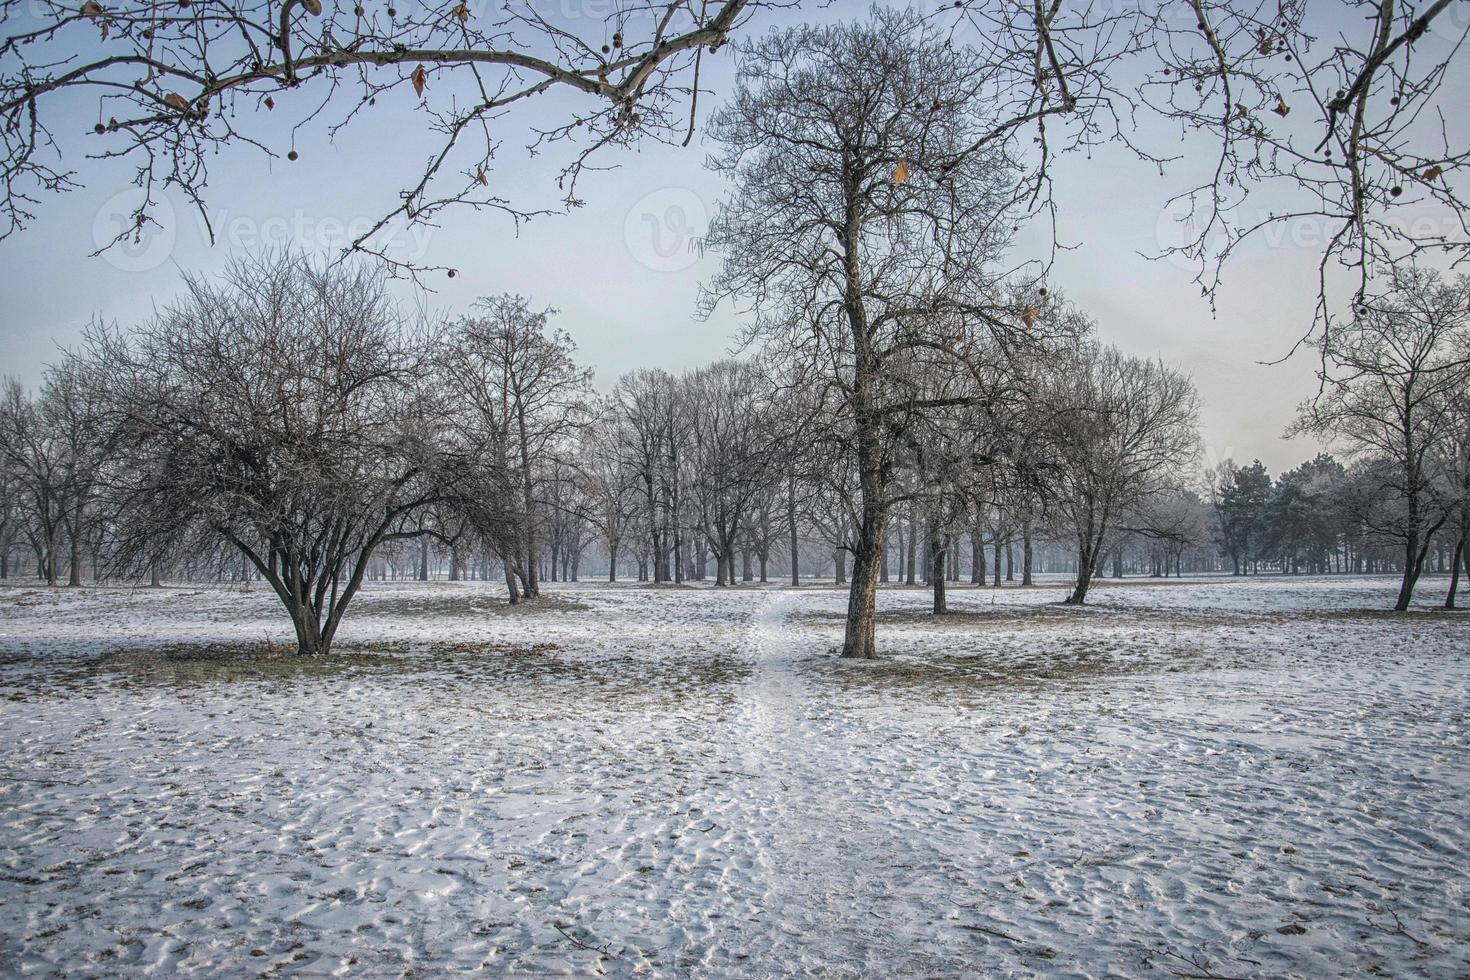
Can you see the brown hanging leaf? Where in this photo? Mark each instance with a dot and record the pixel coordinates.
(481, 178)
(901, 173)
(92, 9)
(1264, 47)
(420, 79)
(313, 7)
(106, 29)
(1281, 109)
(462, 12)
(1029, 315)
(270, 103)
(177, 101)
(1433, 172)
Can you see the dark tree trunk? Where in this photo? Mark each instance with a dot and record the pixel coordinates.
(937, 556)
(791, 518)
(1460, 560)
(1026, 554)
(511, 587)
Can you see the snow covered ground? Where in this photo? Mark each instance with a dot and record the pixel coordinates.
(1222, 778)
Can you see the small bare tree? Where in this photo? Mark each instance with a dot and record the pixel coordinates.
(1120, 430)
(36, 453)
(278, 409)
(518, 394)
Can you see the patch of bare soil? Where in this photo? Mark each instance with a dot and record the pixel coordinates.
(459, 602)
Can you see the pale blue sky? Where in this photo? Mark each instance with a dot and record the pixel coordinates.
(630, 303)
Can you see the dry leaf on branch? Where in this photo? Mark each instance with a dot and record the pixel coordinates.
(420, 79)
(462, 12)
(177, 101)
(1281, 108)
(481, 178)
(313, 7)
(901, 173)
(1433, 172)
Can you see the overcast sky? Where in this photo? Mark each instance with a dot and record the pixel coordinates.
(621, 271)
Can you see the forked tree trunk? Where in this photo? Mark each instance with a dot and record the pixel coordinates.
(512, 587)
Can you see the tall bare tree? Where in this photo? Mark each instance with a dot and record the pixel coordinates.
(874, 187)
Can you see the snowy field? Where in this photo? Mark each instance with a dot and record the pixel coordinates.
(1259, 778)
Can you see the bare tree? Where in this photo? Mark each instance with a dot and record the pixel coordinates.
(520, 394)
(1388, 378)
(176, 82)
(873, 190)
(608, 483)
(731, 454)
(1456, 464)
(278, 409)
(652, 433)
(1121, 430)
(37, 456)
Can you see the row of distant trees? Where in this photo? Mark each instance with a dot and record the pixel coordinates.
(286, 415)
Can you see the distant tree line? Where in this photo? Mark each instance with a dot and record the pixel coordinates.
(285, 424)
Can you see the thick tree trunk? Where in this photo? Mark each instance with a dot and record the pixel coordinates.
(859, 641)
(1454, 570)
(937, 556)
(1085, 567)
(612, 563)
(1411, 573)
